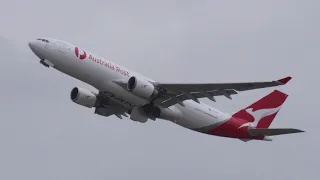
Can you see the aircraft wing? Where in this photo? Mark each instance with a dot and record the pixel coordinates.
(111, 110)
(176, 93)
(109, 107)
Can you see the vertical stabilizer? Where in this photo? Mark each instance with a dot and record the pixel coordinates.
(261, 113)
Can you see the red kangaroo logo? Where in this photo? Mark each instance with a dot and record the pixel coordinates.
(81, 56)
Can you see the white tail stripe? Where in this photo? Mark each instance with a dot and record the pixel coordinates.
(258, 115)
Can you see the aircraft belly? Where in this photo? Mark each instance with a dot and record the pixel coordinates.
(194, 119)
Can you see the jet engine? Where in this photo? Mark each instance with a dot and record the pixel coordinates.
(83, 97)
(141, 88)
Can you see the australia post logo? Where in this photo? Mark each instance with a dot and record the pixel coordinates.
(81, 54)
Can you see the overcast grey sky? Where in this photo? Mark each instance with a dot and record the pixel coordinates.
(44, 135)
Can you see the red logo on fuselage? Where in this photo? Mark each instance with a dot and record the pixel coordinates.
(80, 56)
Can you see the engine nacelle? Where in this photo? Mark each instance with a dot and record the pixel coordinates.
(141, 88)
(83, 97)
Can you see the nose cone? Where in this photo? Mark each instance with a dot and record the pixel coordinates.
(32, 44)
(35, 46)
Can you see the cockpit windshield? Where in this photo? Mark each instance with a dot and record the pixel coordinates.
(44, 40)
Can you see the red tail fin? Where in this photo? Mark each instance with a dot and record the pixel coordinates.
(261, 113)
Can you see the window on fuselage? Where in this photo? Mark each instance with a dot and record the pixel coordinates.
(44, 40)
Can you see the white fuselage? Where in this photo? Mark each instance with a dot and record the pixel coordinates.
(100, 73)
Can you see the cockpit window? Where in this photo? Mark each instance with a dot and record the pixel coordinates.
(44, 40)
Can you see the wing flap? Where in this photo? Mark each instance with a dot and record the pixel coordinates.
(111, 110)
(110, 107)
(196, 95)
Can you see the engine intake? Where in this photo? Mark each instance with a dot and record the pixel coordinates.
(141, 88)
(83, 97)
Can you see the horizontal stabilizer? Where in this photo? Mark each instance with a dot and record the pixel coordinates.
(272, 132)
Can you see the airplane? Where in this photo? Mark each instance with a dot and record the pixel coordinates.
(124, 93)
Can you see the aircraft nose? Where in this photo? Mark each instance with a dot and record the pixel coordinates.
(32, 45)
(35, 46)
